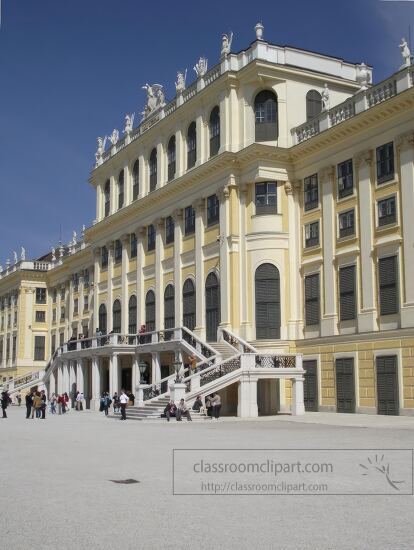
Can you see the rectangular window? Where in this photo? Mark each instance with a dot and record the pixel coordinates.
(266, 198)
(133, 244)
(62, 294)
(345, 179)
(346, 223)
(75, 279)
(14, 348)
(312, 305)
(213, 210)
(54, 294)
(1, 351)
(347, 293)
(61, 338)
(189, 220)
(86, 278)
(385, 162)
(387, 211)
(169, 230)
(15, 319)
(53, 345)
(85, 302)
(39, 351)
(104, 257)
(54, 315)
(118, 251)
(388, 285)
(150, 238)
(311, 192)
(62, 313)
(311, 234)
(40, 316)
(75, 306)
(40, 295)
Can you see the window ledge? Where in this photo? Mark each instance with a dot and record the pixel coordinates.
(392, 181)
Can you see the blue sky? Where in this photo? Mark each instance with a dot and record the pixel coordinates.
(69, 71)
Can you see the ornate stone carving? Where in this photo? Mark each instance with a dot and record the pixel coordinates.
(101, 149)
(15, 257)
(201, 67)
(226, 41)
(22, 254)
(365, 157)
(325, 98)
(114, 137)
(363, 76)
(177, 215)
(405, 53)
(155, 99)
(259, 28)
(288, 188)
(405, 140)
(129, 122)
(326, 174)
(180, 83)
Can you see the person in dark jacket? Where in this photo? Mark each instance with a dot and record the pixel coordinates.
(5, 400)
(29, 403)
(43, 407)
(170, 410)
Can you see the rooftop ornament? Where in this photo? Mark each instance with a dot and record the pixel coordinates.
(155, 99)
(363, 76)
(226, 41)
(201, 67)
(259, 28)
(325, 98)
(129, 122)
(180, 84)
(406, 53)
(100, 150)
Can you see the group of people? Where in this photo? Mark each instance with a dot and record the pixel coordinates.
(120, 402)
(211, 408)
(36, 403)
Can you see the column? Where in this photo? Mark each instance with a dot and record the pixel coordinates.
(223, 196)
(59, 374)
(52, 383)
(127, 185)
(247, 398)
(406, 149)
(200, 328)
(244, 292)
(200, 140)
(143, 173)
(329, 320)
(124, 284)
(178, 283)
(109, 300)
(295, 322)
(96, 383)
(113, 374)
(180, 151)
(80, 375)
(283, 406)
(367, 319)
(140, 233)
(96, 258)
(161, 163)
(72, 379)
(113, 195)
(224, 121)
(65, 377)
(155, 368)
(298, 404)
(99, 202)
(159, 282)
(135, 373)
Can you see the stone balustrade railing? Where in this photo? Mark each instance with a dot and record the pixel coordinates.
(351, 107)
(236, 342)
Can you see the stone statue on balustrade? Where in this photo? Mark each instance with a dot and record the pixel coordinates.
(101, 149)
(201, 67)
(180, 84)
(114, 137)
(74, 237)
(155, 99)
(129, 123)
(325, 98)
(53, 250)
(406, 53)
(226, 41)
(15, 257)
(363, 76)
(22, 254)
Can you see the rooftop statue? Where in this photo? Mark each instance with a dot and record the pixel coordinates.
(22, 254)
(114, 137)
(15, 257)
(53, 254)
(129, 122)
(201, 67)
(155, 98)
(180, 84)
(226, 41)
(406, 53)
(363, 76)
(325, 98)
(259, 31)
(101, 149)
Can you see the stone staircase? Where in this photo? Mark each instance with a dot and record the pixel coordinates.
(224, 349)
(152, 411)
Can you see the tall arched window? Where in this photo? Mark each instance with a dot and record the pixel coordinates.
(116, 316)
(214, 127)
(169, 311)
(265, 108)
(102, 318)
(107, 197)
(191, 145)
(150, 311)
(171, 158)
(153, 169)
(267, 293)
(189, 304)
(313, 104)
(132, 315)
(121, 189)
(212, 306)
(135, 180)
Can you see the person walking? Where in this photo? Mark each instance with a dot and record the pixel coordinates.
(60, 403)
(115, 399)
(5, 399)
(43, 406)
(29, 403)
(216, 402)
(105, 403)
(65, 402)
(19, 399)
(209, 406)
(123, 400)
(52, 402)
(37, 404)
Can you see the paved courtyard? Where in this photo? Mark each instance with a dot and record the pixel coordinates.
(56, 490)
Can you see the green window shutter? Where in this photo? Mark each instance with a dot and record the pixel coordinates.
(312, 299)
(388, 287)
(347, 293)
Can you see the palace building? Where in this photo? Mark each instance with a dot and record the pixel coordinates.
(263, 221)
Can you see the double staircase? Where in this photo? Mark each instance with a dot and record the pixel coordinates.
(154, 410)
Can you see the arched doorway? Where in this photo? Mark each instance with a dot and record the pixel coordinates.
(267, 293)
(212, 307)
(189, 304)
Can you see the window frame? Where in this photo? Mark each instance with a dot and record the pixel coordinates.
(387, 219)
(213, 210)
(39, 350)
(191, 145)
(121, 189)
(345, 178)
(268, 207)
(349, 230)
(151, 237)
(135, 180)
(169, 230)
(189, 220)
(309, 201)
(346, 295)
(312, 240)
(118, 251)
(388, 161)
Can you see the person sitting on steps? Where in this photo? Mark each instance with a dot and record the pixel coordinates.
(170, 410)
(183, 410)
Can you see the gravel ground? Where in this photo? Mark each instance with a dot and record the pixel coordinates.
(56, 490)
